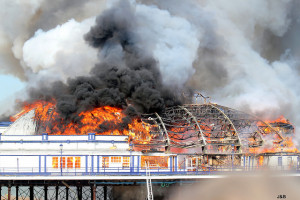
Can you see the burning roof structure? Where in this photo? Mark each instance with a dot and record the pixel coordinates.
(190, 128)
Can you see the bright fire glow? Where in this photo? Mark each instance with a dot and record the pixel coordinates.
(104, 120)
(108, 120)
(283, 127)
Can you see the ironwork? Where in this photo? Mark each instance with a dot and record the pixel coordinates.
(54, 190)
(217, 128)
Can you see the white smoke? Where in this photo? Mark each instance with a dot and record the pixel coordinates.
(173, 41)
(19, 20)
(253, 81)
(61, 52)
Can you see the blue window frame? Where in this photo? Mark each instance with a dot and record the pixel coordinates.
(280, 161)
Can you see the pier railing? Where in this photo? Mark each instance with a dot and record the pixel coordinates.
(131, 171)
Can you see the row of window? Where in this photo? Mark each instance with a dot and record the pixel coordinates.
(114, 160)
(60, 162)
(75, 162)
(124, 161)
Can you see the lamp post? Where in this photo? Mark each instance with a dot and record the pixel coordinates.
(61, 149)
(18, 165)
(232, 157)
(130, 158)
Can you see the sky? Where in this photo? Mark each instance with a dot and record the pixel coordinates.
(9, 86)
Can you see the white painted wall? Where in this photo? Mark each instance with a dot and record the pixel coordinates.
(19, 163)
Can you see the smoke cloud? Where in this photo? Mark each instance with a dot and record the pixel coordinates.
(59, 53)
(243, 55)
(248, 53)
(20, 20)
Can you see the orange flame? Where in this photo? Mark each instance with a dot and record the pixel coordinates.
(282, 126)
(104, 120)
(281, 119)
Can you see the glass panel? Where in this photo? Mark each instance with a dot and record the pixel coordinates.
(55, 162)
(77, 162)
(155, 161)
(116, 159)
(126, 161)
(105, 161)
(70, 162)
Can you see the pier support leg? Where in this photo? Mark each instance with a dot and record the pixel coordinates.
(56, 193)
(45, 192)
(31, 197)
(17, 192)
(67, 193)
(93, 192)
(79, 192)
(8, 192)
(105, 192)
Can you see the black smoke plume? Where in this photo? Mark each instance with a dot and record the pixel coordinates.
(127, 76)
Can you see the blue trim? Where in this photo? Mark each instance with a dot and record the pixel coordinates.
(171, 163)
(5, 124)
(44, 136)
(63, 141)
(111, 171)
(40, 164)
(176, 163)
(98, 163)
(131, 164)
(138, 163)
(86, 164)
(65, 135)
(92, 160)
(45, 164)
(119, 171)
(126, 155)
(91, 136)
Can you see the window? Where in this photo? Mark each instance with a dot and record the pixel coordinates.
(290, 160)
(126, 161)
(70, 162)
(279, 161)
(55, 162)
(77, 162)
(62, 162)
(155, 161)
(116, 159)
(105, 161)
(58, 162)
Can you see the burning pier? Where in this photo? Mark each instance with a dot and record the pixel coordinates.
(110, 97)
(195, 137)
(191, 141)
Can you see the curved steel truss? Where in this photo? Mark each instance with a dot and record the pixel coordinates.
(209, 127)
